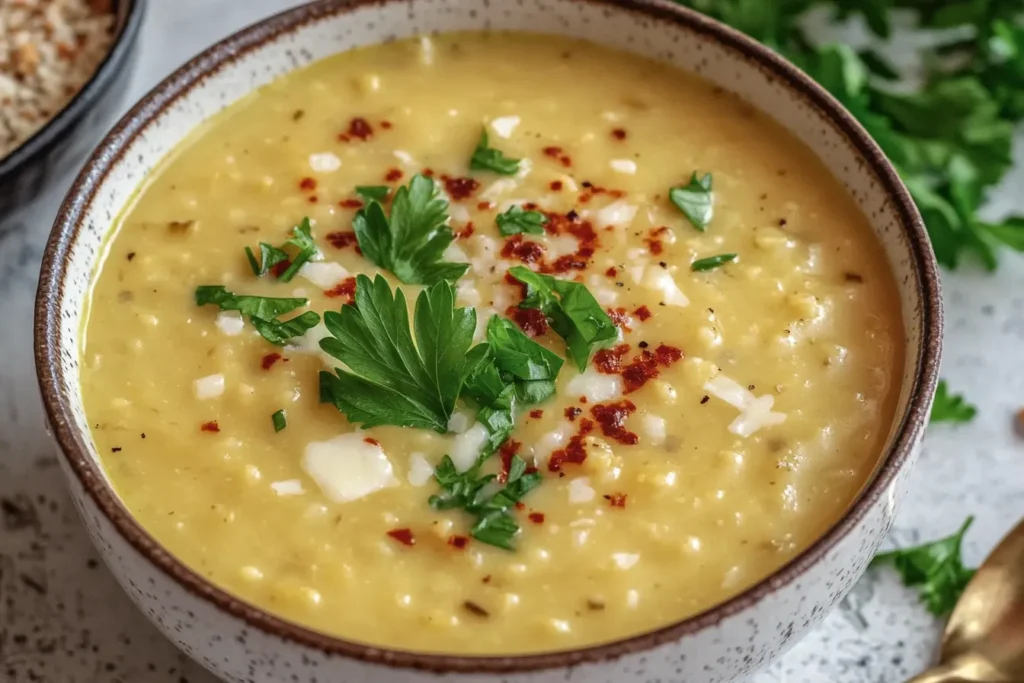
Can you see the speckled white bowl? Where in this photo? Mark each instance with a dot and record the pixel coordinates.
(243, 643)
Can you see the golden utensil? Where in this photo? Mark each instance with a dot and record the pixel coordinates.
(984, 639)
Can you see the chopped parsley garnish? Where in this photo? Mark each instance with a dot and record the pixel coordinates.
(515, 221)
(270, 256)
(936, 568)
(695, 200)
(263, 312)
(411, 241)
(392, 379)
(950, 407)
(280, 420)
(493, 523)
(712, 262)
(486, 158)
(373, 192)
(571, 310)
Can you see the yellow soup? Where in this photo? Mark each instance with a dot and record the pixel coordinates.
(729, 411)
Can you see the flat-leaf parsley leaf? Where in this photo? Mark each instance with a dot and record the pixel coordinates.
(486, 158)
(516, 220)
(263, 312)
(411, 241)
(392, 379)
(270, 256)
(950, 407)
(695, 200)
(935, 567)
(571, 310)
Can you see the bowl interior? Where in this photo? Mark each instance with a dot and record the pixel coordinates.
(233, 69)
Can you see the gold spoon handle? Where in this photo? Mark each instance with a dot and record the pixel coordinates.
(965, 669)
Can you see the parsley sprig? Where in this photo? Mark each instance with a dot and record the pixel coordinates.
(493, 523)
(516, 220)
(936, 568)
(263, 312)
(950, 407)
(486, 158)
(395, 375)
(304, 249)
(411, 241)
(695, 200)
(572, 311)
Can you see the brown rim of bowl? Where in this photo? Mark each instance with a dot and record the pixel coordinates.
(75, 450)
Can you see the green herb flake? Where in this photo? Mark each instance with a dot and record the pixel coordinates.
(263, 312)
(269, 257)
(695, 200)
(486, 158)
(935, 568)
(950, 407)
(515, 221)
(572, 311)
(394, 377)
(411, 241)
(280, 420)
(376, 193)
(304, 249)
(712, 262)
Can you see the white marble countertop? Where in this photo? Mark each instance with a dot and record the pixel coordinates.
(64, 620)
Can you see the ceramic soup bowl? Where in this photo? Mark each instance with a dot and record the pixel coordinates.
(240, 642)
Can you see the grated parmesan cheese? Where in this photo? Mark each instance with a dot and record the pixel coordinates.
(755, 412)
(580, 490)
(504, 125)
(230, 323)
(209, 387)
(595, 386)
(325, 274)
(324, 162)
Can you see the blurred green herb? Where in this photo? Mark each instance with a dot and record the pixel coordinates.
(950, 407)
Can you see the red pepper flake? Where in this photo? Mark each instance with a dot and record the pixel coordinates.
(210, 426)
(429, 172)
(572, 412)
(507, 451)
(525, 251)
(393, 175)
(313, 199)
(643, 313)
(645, 366)
(557, 153)
(556, 185)
(537, 517)
(616, 500)
(403, 536)
(351, 203)
(586, 426)
(531, 320)
(467, 230)
(307, 184)
(609, 361)
(619, 134)
(372, 442)
(484, 206)
(459, 188)
(620, 318)
(667, 355)
(277, 270)
(360, 128)
(342, 239)
(536, 414)
(458, 542)
(386, 125)
(653, 239)
(612, 272)
(612, 418)
(574, 453)
(583, 399)
(268, 360)
(345, 288)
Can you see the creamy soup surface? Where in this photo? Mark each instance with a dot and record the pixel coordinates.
(776, 373)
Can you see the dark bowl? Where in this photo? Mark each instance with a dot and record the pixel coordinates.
(65, 139)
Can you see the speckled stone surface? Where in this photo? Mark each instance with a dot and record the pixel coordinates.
(63, 619)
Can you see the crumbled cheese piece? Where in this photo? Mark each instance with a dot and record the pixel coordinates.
(659, 279)
(525, 166)
(580, 490)
(459, 214)
(426, 50)
(499, 187)
(348, 467)
(459, 422)
(625, 560)
(420, 471)
(467, 294)
(654, 428)
(755, 412)
(617, 214)
(324, 275)
(561, 245)
(627, 166)
(209, 387)
(230, 323)
(552, 441)
(288, 487)
(636, 273)
(455, 254)
(504, 125)
(404, 157)
(606, 296)
(595, 386)
(325, 162)
(466, 447)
